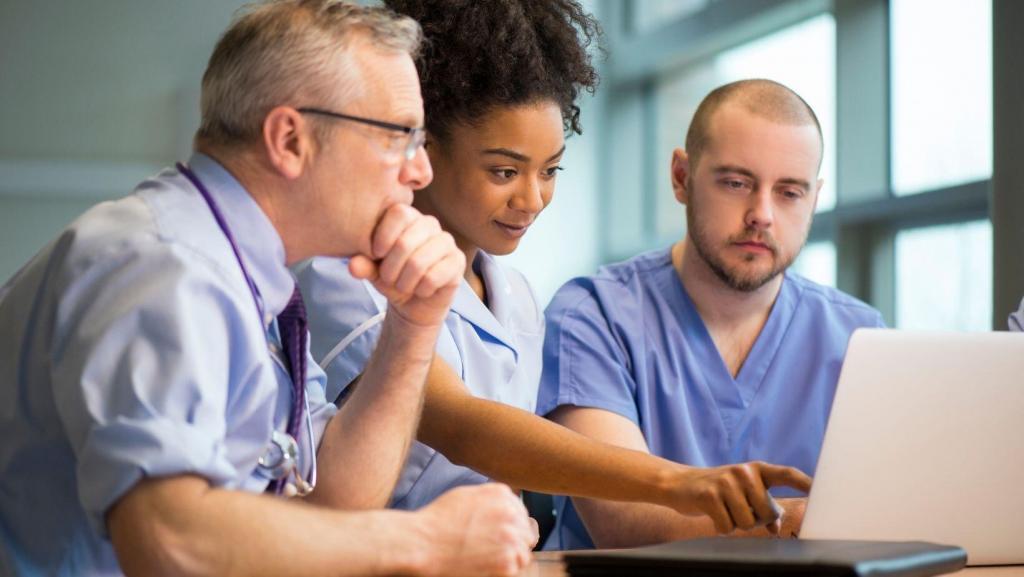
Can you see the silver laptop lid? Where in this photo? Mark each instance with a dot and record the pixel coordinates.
(926, 442)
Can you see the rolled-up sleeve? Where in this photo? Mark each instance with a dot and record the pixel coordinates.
(141, 371)
(584, 364)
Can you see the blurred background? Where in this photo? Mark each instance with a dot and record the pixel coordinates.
(921, 101)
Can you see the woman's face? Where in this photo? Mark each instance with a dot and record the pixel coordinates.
(492, 179)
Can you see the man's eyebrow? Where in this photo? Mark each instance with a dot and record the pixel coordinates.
(796, 182)
(725, 168)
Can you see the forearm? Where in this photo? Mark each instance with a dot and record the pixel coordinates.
(539, 455)
(372, 432)
(181, 526)
(617, 525)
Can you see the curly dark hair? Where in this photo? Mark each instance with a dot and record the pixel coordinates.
(479, 54)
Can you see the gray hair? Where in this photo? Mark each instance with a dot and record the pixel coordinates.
(287, 52)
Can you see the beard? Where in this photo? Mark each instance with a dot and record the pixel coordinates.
(737, 277)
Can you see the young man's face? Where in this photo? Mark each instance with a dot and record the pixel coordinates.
(751, 196)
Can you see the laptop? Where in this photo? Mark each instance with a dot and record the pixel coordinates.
(926, 443)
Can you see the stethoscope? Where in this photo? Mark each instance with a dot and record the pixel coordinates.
(282, 455)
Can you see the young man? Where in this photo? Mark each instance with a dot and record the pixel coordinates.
(156, 391)
(708, 352)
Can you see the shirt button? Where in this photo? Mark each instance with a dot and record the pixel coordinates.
(267, 319)
(274, 348)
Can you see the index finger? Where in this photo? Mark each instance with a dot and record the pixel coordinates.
(395, 220)
(775, 475)
(362, 267)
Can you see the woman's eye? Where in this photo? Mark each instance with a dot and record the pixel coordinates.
(504, 173)
(552, 171)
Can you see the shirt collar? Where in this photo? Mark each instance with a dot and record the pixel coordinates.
(494, 320)
(258, 242)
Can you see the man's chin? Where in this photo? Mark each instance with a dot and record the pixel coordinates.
(747, 281)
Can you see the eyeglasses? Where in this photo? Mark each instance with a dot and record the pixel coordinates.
(416, 136)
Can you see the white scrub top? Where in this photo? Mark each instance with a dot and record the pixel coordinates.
(496, 351)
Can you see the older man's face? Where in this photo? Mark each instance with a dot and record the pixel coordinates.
(750, 199)
(361, 170)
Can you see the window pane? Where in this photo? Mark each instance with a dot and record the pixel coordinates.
(801, 57)
(941, 93)
(650, 14)
(944, 277)
(817, 262)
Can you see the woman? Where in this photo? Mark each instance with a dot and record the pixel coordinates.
(500, 81)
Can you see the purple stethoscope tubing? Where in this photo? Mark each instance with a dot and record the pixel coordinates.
(256, 296)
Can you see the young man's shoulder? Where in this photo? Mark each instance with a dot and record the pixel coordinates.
(616, 291)
(622, 277)
(819, 298)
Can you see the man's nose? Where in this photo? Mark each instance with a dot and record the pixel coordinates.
(417, 172)
(760, 211)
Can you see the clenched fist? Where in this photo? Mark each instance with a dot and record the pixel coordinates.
(480, 530)
(414, 264)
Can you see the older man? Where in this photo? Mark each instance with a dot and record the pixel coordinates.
(156, 391)
(707, 352)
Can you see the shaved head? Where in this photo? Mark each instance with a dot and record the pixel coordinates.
(764, 98)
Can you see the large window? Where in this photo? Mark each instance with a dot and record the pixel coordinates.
(817, 261)
(941, 117)
(944, 277)
(941, 93)
(650, 14)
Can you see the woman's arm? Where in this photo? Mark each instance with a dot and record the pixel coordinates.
(519, 448)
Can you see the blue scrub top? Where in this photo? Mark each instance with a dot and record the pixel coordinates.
(131, 347)
(1016, 320)
(629, 340)
(496, 351)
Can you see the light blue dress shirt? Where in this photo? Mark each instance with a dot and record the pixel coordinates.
(629, 340)
(131, 347)
(1016, 320)
(496, 351)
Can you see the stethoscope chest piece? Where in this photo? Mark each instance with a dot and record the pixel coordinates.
(280, 457)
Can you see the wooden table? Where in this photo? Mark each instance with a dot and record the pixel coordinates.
(549, 564)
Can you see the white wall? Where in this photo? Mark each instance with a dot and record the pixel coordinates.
(564, 242)
(94, 97)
